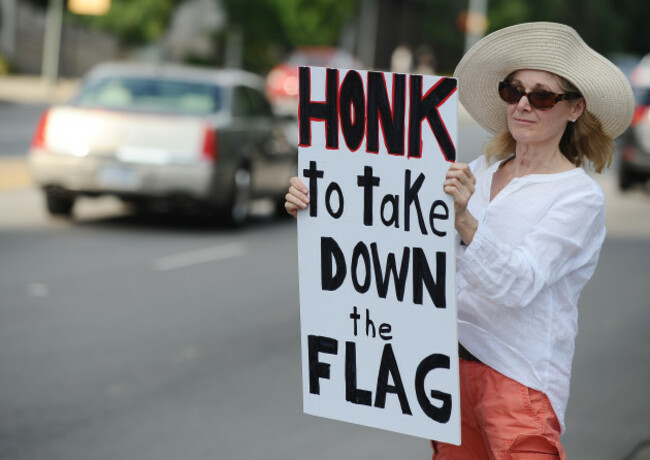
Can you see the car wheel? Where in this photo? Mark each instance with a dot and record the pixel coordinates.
(279, 201)
(280, 210)
(59, 203)
(235, 211)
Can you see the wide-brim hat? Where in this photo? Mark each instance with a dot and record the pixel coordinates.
(548, 46)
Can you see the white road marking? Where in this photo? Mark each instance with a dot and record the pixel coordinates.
(201, 256)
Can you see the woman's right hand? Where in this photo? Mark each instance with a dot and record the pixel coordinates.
(298, 197)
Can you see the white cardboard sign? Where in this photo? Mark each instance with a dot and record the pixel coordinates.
(377, 251)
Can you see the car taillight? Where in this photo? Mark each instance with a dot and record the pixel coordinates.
(282, 82)
(641, 114)
(38, 141)
(210, 149)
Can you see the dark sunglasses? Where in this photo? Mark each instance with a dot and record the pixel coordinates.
(539, 99)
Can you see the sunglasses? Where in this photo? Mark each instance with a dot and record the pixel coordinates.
(539, 99)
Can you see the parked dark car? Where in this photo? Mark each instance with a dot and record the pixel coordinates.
(634, 167)
(190, 138)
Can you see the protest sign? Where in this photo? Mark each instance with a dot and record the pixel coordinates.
(377, 250)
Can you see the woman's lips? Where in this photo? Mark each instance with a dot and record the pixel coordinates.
(521, 120)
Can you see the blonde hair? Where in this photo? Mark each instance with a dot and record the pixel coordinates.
(582, 139)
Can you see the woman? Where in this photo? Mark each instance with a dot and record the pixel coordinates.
(531, 223)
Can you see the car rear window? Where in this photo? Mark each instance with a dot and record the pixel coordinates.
(151, 95)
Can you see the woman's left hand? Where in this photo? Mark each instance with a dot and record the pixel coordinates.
(459, 183)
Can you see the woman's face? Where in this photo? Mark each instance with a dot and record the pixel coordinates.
(541, 127)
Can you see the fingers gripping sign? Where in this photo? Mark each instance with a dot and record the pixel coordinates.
(460, 184)
(297, 198)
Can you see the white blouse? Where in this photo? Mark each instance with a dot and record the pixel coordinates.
(519, 281)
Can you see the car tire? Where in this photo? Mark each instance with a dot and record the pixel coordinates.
(59, 203)
(235, 212)
(280, 210)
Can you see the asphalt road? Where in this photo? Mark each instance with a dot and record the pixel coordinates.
(157, 338)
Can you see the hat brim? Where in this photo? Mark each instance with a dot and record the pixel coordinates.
(551, 47)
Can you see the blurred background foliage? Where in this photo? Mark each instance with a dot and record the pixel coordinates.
(135, 22)
(271, 28)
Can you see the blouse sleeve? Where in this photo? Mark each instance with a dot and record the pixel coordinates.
(569, 236)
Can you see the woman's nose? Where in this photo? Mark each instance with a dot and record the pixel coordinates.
(524, 103)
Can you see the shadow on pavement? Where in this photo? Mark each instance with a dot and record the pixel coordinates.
(177, 222)
(640, 452)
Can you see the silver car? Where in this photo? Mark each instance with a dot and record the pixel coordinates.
(189, 138)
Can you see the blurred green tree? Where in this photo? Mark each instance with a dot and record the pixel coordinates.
(313, 22)
(608, 26)
(134, 22)
(272, 27)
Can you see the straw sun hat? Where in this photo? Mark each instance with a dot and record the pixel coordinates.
(545, 46)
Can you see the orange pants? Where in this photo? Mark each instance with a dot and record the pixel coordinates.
(501, 419)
